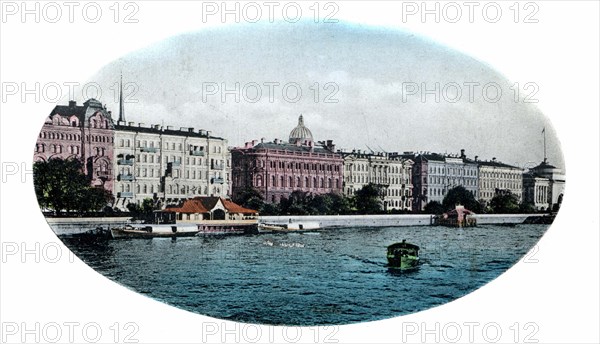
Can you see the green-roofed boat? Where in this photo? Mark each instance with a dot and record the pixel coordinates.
(403, 255)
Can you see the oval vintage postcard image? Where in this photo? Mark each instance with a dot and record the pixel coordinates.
(309, 172)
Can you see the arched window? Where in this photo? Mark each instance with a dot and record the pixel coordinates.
(306, 184)
(282, 182)
(273, 181)
(322, 183)
(298, 182)
(290, 182)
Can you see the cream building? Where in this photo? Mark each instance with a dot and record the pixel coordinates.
(393, 173)
(168, 165)
(496, 177)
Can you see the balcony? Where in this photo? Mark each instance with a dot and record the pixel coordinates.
(103, 174)
(218, 180)
(125, 177)
(128, 162)
(148, 149)
(125, 194)
(197, 153)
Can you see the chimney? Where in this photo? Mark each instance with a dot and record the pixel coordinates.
(494, 159)
(330, 145)
(169, 127)
(476, 157)
(276, 141)
(462, 153)
(253, 143)
(131, 124)
(141, 125)
(72, 103)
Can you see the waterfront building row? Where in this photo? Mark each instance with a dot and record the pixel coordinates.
(138, 161)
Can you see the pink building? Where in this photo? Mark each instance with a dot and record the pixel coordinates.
(278, 168)
(82, 132)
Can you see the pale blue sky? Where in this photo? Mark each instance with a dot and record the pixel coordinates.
(369, 65)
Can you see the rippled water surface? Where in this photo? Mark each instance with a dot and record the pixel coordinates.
(335, 276)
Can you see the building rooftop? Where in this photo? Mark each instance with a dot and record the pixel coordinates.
(158, 129)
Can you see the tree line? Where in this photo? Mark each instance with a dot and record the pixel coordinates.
(63, 188)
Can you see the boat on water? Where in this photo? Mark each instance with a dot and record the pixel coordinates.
(403, 255)
(288, 227)
(153, 231)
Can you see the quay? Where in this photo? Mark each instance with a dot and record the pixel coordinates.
(68, 226)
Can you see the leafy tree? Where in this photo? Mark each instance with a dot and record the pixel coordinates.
(250, 198)
(504, 203)
(61, 185)
(460, 195)
(340, 204)
(329, 204)
(369, 198)
(299, 203)
(526, 208)
(144, 211)
(269, 209)
(434, 207)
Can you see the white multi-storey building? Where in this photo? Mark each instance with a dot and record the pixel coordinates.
(393, 173)
(435, 174)
(496, 177)
(168, 165)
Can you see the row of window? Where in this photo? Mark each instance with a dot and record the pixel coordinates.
(500, 185)
(365, 168)
(75, 137)
(452, 181)
(382, 180)
(171, 189)
(41, 148)
(298, 166)
(453, 171)
(298, 182)
(167, 145)
(500, 175)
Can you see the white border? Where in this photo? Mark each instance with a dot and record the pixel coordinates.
(559, 293)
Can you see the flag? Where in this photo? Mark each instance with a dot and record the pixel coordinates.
(544, 130)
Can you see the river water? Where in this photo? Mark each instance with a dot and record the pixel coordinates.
(334, 276)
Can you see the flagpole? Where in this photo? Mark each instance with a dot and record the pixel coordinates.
(544, 132)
